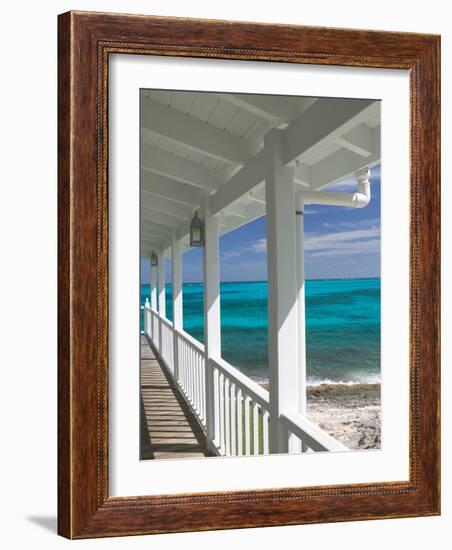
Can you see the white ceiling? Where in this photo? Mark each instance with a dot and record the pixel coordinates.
(193, 143)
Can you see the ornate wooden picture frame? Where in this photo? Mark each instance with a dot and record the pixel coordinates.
(86, 40)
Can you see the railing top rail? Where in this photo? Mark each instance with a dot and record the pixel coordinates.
(167, 322)
(310, 433)
(250, 387)
(192, 341)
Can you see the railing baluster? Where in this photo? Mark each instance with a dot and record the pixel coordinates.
(204, 363)
(239, 423)
(203, 378)
(195, 380)
(221, 407)
(184, 368)
(193, 386)
(233, 420)
(255, 429)
(198, 382)
(227, 416)
(216, 402)
(190, 370)
(247, 426)
(265, 442)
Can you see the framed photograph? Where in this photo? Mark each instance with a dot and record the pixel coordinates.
(248, 275)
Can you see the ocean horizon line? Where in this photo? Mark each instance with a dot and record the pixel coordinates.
(266, 281)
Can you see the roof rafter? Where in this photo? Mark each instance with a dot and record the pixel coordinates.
(157, 228)
(166, 164)
(359, 140)
(193, 133)
(160, 217)
(268, 107)
(341, 164)
(171, 189)
(164, 205)
(327, 119)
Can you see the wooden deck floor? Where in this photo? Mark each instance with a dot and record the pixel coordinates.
(168, 427)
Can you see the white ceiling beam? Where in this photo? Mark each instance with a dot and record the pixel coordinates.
(268, 107)
(171, 189)
(159, 217)
(253, 198)
(164, 205)
(340, 165)
(157, 228)
(150, 234)
(303, 174)
(150, 244)
(166, 164)
(230, 212)
(243, 181)
(359, 140)
(230, 223)
(325, 121)
(257, 196)
(195, 134)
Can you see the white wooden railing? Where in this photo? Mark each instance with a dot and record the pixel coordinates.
(241, 412)
(155, 328)
(313, 437)
(167, 343)
(191, 372)
(241, 406)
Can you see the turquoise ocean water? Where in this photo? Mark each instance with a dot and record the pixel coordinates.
(342, 327)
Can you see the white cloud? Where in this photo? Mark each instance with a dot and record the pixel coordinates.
(373, 222)
(309, 210)
(258, 246)
(371, 246)
(315, 241)
(364, 241)
(231, 254)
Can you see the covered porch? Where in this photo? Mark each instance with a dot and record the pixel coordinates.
(231, 159)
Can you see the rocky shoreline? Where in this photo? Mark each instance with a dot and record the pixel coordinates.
(349, 413)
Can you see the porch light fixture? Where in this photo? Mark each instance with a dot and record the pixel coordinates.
(196, 232)
(154, 259)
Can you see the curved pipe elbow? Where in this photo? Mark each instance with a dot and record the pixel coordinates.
(362, 197)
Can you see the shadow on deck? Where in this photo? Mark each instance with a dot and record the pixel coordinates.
(169, 428)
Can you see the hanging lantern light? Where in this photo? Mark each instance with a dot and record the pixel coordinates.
(154, 259)
(196, 232)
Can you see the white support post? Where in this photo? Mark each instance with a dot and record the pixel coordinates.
(212, 327)
(153, 289)
(161, 295)
(176, 256)
(282, 290)
(301, 309)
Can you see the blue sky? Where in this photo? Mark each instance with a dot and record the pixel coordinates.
(339, 243)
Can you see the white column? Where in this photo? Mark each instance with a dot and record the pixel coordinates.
(161, 285)
(301, 307)
(161, 295)
(212, 327)
(176, 257)
(282, 290)
(153, 288)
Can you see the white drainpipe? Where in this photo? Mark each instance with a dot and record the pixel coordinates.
(360, 199)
